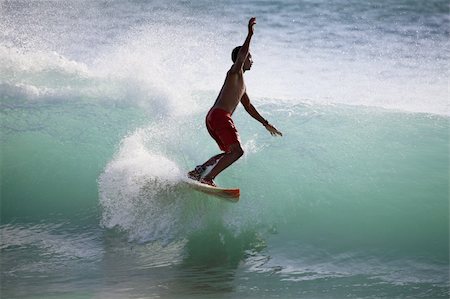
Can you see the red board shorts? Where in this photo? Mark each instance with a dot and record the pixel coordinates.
(221, 127)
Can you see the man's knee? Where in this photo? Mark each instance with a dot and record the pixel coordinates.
(240, 152)
(237, 151)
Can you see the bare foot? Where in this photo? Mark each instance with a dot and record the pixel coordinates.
(196, 174)
(208, 182)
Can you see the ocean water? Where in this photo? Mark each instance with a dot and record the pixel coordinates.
(102, 112)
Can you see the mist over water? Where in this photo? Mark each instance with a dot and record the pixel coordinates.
(388, 54)
(102, 113)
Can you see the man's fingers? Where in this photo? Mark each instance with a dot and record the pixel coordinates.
(273, 131)
(277, 132)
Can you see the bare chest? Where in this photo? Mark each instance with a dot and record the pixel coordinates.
(231, 93)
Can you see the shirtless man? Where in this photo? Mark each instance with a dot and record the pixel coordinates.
(218, 120)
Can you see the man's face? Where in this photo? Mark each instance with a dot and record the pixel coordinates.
(248, 62)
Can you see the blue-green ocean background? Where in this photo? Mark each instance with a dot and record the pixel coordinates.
(102, 111)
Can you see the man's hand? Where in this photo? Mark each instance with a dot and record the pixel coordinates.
(251, 23)
(273, 131)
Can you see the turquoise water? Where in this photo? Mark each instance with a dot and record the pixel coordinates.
(102, 112)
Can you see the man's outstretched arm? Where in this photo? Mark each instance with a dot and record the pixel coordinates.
(245, 100)
(243, 52)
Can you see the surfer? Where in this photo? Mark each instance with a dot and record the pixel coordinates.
(218, 120)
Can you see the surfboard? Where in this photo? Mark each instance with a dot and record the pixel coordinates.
(228, 194)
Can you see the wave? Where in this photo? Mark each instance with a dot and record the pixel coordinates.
(152, 81)
(99, 124)
(351, 150)
(40, 78)
(336, 188)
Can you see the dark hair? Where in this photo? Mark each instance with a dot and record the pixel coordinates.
(235, 52)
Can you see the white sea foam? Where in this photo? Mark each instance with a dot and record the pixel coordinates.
(168, 60)
(137, 192)
(141, 191)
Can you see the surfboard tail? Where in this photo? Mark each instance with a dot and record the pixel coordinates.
(235, 193)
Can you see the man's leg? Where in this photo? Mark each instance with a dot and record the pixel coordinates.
(226, 160)
(199, 169)
(212, 160)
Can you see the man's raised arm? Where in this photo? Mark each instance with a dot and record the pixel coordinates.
(243, 52)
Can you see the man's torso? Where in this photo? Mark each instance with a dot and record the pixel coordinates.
(231, 93)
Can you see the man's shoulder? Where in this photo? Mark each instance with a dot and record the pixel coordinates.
(234, 72)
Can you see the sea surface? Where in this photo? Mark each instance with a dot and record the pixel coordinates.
(102, 107)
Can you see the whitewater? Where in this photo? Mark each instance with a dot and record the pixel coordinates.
(102, 108)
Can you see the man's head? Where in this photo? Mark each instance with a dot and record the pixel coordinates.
(247, 63)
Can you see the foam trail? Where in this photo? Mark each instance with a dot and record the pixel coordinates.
(137, 191)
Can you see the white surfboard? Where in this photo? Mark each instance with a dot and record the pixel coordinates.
(229, 194)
